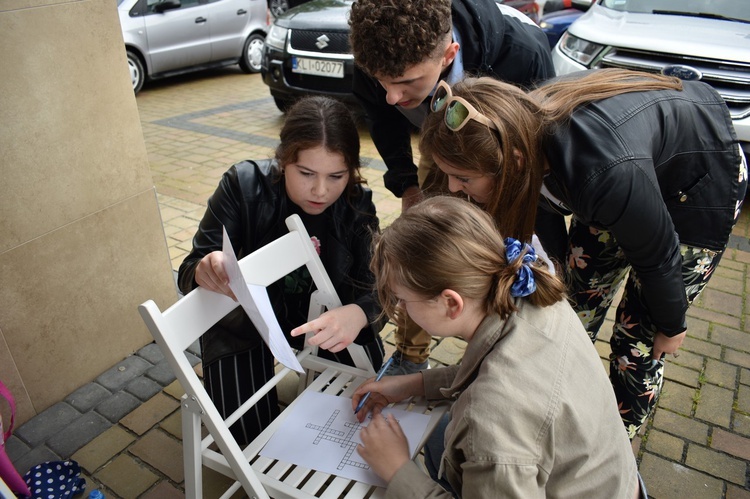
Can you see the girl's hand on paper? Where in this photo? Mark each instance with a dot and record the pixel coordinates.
(211, 274)
(389, 389)
(335, 329)
(384, 446)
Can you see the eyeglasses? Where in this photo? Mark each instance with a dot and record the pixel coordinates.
(458, 111)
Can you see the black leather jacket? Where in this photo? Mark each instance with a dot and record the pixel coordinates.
(251, 202)
(492, 44)
(657, 169)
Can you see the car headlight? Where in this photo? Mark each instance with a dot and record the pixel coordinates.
(544, 25)
(581, 51)
(276, 37)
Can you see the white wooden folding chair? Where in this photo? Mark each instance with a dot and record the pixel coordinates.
(178, 327)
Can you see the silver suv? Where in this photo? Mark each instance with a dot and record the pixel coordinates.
(705, 40)
(169, 37)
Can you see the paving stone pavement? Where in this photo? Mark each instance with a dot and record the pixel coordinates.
(124, 427)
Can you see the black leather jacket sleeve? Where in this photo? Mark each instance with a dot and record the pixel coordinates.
(631, 207)
(250, 203)
(361, 280)
(658, 169)
(391, 133)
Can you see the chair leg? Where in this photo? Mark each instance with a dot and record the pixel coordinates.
(191, 448)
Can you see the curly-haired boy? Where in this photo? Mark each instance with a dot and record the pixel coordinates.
(402, 49)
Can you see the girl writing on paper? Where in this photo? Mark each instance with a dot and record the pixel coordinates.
(521, 424)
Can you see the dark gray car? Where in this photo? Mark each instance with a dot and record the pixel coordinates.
(307, 50)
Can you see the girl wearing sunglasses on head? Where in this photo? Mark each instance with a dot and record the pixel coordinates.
(521, 422)
(649, 167)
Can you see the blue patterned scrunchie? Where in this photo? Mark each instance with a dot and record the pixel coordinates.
(524, 284)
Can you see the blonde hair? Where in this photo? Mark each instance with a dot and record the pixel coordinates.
(513, 154)
(448, 243)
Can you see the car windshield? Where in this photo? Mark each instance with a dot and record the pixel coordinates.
(731, 10)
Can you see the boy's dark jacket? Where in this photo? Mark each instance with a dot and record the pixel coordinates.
(251, 203)
(492, 44)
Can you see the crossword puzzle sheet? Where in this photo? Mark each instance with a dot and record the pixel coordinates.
(321, 433)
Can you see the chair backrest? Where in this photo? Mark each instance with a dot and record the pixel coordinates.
(182, 324)
(190, 317)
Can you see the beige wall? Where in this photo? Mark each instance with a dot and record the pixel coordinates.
(81, 240)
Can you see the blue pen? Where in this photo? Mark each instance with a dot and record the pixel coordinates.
(377, 378)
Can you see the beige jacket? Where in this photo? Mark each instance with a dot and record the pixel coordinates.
(534, 415)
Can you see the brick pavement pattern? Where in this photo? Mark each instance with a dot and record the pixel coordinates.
(124, 427)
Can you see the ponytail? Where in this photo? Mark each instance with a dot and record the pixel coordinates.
(459, 248)
(523, 275)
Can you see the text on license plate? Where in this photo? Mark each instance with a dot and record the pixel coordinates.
(333, 69)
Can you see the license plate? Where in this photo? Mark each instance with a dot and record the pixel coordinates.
(318, 67)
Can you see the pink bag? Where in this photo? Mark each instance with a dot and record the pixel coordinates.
(8, 472)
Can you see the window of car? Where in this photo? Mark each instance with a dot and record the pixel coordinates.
(733, 10)
(151, 5)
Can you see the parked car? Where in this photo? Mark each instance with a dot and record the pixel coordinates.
(307, 51)
(558, 15)
(278, 7)
(555, 23)
(168, 37)
(531, 9)
(555, 5)
(699, 40)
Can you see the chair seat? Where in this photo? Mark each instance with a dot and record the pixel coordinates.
(283, 479)
(186, 321)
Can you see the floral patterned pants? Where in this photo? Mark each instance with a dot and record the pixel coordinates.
(596, 269)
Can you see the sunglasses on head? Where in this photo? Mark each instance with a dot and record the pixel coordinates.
(458, 111)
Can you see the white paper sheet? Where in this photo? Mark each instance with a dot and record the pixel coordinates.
(254, 300)
(322, 433)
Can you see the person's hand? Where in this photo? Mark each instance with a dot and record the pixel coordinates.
(388, 390)
(384, 446)
(664, 344)
(336, 329)
(211, 274)
(411, 196)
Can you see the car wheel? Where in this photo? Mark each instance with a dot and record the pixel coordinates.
(137, 74)
(283, 104)
(278, 7)
(252, 54)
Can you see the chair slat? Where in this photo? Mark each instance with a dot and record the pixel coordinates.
(183, 323)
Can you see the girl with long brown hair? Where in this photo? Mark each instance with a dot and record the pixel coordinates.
(650, 170)
(315, 175)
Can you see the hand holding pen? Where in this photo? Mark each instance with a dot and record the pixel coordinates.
(382, 371)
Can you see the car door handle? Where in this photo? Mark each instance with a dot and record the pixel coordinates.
(199, 20)
(241, 12)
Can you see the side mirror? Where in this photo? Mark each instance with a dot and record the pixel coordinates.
(582, 5)
(165, 5)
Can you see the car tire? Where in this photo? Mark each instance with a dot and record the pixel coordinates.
(278, 7)
(283, 104)
(252, 53)
(137, 74)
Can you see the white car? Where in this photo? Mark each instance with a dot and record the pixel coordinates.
(169, 37)
(706, 40)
